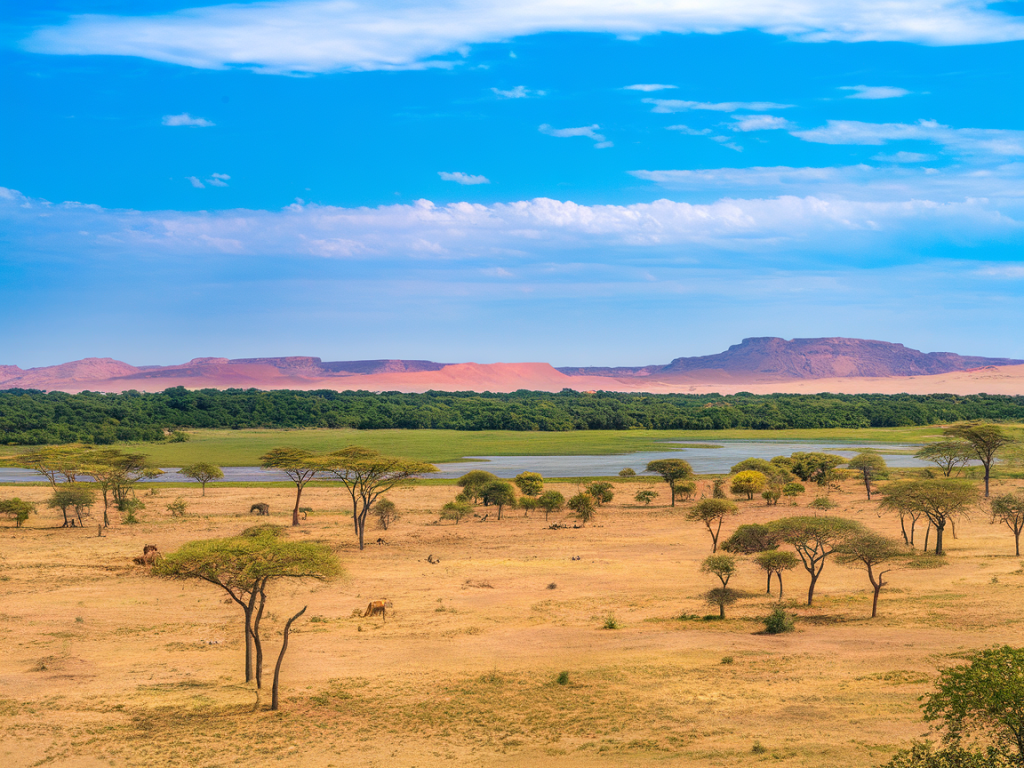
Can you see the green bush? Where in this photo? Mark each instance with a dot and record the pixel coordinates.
(778, 621)
(563, 678)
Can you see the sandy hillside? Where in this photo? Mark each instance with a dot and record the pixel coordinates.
(105, 665)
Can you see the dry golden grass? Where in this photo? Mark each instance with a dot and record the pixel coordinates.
(105, 665)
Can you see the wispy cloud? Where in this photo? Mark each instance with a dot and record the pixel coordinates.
(669, 106)
(1003, 271)
(688, 131)
(649, 87)
(589, 131)
(874, 91)
(902, 157)
(218, 179)
(463, 178)
(358, 35)
(746, 123)
(186, 119)
(196, 182)
(968, 141)
(725, 141)
(518, 92)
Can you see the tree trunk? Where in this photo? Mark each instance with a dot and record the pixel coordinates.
(769, 590)
(721, 610)
(204, 489)
(938, 539)
(295, 512)
(913, 525)
(779, 574)
(810, 590)
(256, 636)
(1016, 539)
(248, 644)
(672, 492)
(280, 658)
(714, 536)
(874, 603)
(867, 485)
(903, 529)
(360, 527)
(987, 468)
(927, 535)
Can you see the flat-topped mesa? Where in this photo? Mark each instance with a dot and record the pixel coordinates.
(774, 358)
(292, 365)
(356, 367)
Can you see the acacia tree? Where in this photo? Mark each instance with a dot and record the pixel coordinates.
(300, 465)
(982, 700)
(814, 539)
(57, 463)
(366, 474)
(202, 472)
(473, 481)
(941, 501)
(724, 567)
(948, 455)
(117, 473)
(71, 496)
(1008, 509)
(712, 512)
(985, 440)
(814, 467)
(17, 510)
(529, 483)
(602, 492)
(671, 471)
(878, 555)
(871, 466)
(498, 493)
(583, 505)
(775, 561)
(748, 483)
(551, 501)
(456, 510)
(751, 538)
(244, 566)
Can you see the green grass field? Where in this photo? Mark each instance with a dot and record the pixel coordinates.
(243, 447)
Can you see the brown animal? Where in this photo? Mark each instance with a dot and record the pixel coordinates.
(377, 607)
(150, 555)
(260, 509)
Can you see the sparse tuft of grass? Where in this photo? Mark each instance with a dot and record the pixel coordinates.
(611, 622)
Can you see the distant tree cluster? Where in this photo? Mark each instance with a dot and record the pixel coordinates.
(31, 417)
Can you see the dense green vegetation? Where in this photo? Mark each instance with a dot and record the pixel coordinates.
(29, 417)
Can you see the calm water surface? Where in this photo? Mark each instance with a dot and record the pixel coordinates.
(713, 457)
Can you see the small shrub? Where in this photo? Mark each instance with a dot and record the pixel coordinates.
(611, 622)
(727, 660)
(823, 503)
(645, 497)
(552, 585)
(627, 472)
(778, 621)
(385, 512)
(177, 507)
(130, 507)
(177, 436)
(758, 748)
(79, 620)
(563, 678)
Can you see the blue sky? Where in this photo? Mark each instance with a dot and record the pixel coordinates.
(576, 183)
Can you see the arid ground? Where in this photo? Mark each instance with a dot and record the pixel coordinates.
(104, 664)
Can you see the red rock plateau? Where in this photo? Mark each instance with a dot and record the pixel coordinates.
(761, 366)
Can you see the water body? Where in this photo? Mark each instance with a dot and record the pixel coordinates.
(711, 457)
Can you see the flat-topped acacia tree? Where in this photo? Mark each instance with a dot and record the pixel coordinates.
(244, 566)
(941, 501)
(202, 472)
(300, 465)
(366, 474)
(985, 440)
(814, 539)
(671, 471)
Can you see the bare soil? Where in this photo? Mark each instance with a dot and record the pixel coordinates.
(104, 664)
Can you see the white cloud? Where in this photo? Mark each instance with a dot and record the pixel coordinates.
(589, 131)
(902, 157)
(536, 229)
(196, 182)
(688, 131)
(760, 123)
(1003, 271)
(648, 87)
(359, 35)
(518, 92)
(725, 141)
(223, 176)
(669, 106)
(186, 119)
(874, 91)
(968, 141)
(463, 178)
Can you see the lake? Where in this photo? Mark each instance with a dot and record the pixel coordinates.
(712, 457)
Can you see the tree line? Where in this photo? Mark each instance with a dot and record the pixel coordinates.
(32, 417)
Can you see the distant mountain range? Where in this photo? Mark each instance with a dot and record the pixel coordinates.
(756, 365)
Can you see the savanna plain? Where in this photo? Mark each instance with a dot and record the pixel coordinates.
(105, 664)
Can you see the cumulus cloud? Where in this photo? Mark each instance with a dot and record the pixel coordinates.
(463, 178)
(541, 228)
(589, 131)
(967, 141)
(874, 91)
(359, 35)
(669, 106)
(186, 119)
(518, 92)
(648, 87)
(760, 123)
